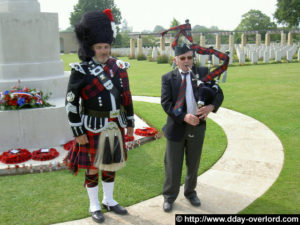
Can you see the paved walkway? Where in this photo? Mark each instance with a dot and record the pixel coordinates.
(250, 165)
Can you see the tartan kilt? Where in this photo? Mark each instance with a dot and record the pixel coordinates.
(83, 156)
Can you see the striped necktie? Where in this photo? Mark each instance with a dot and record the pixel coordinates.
(181, 96)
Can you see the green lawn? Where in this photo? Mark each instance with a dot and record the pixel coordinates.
(268, 93)
(59, 196)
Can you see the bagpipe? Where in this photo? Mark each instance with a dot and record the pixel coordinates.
(207, 87)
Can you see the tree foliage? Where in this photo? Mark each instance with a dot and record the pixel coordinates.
(158, 29)
(174, 23)
(256, 20)
(125, 27)
(288, 12)
(88, 5)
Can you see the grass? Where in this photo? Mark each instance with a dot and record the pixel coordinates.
(59, 196)
(69, 58)
(270, 93)
(267, 92)
(144, 76)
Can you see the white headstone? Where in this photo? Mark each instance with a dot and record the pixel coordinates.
(154, 53)
(215, 60)
(289, 55)
(242, 58)
(202, 59)
(254, 58)
(277, 56)
(266, 56)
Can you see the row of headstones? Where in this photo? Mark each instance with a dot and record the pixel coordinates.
(126, 51)
(169, 52)
(274, 52)
(153, 51)
(251, 51)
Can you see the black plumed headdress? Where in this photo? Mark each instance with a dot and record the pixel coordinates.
(94, 27)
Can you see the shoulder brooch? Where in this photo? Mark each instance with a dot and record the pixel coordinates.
(78, 67)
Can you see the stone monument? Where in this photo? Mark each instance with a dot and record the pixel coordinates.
(29, 53)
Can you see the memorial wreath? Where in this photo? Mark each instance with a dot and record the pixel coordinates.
(15, 156)
(45, 154)
(19, 98)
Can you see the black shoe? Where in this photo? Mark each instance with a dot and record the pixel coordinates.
(117, 209)
(194, 200)
(97, 216)
(167, 206)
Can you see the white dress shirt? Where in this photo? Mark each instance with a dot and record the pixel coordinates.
(191, 104)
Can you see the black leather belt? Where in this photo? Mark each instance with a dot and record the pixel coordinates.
(108, 114)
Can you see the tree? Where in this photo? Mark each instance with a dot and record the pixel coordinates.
(256, 20)
(88, 5)
(210, 38)
(158, 29)
(118, 41)
(125, 26)
(288, 12)
(199, 28)
(149, 41)
(69, 29)
(174, 23)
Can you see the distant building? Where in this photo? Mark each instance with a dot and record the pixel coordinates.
(68, 42)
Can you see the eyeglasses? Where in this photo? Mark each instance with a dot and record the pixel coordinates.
(182, 58)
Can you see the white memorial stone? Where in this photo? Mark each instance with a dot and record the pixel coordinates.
(202, 59)
(242, 58)
(254, 58)
(277, 56)
(266, 56)
(289, 55)
(30, 52)
(215, 60)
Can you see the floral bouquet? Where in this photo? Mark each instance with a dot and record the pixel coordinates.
(19, 98)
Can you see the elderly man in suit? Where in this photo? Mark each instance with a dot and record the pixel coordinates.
(185, 127)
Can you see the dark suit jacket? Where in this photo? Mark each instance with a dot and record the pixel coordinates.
(175, 126)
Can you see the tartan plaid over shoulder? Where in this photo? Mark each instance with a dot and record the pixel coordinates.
(126, 99)
(87, 87)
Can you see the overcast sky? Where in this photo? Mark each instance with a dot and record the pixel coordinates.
(145, 15)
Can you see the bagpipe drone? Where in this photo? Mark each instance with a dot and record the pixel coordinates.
(207, 87)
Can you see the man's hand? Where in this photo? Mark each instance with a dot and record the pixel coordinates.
(204, 111)
(129, 131)
(191, 119)
(82, 139)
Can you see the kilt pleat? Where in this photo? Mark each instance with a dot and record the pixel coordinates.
(83, 156)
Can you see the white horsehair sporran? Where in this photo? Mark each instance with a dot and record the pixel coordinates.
(111, 135)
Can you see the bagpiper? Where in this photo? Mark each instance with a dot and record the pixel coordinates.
(99, 108)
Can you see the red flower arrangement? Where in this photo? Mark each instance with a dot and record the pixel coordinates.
(15, 156)
(18, 98)
(45, 154)
(128, 139)
(147, 131)
(69, 145)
